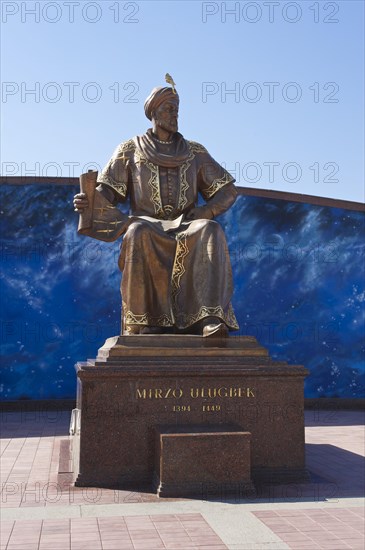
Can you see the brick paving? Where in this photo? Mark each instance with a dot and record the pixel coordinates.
(42, 511)
(340, 528)
(165, 532)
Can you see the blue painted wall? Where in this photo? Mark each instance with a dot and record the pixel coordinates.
(299, 288)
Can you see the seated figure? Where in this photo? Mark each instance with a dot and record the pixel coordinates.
(177, 274)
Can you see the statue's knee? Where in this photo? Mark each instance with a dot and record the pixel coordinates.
(213, 228)
(136, 231)
(213, 225)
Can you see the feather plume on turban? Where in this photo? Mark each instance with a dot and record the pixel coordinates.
(156, 97)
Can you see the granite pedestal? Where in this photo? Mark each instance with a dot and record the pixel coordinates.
(146, 398)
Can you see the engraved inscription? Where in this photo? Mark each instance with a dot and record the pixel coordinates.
(211, 408)
(195, 393)
(159, 393)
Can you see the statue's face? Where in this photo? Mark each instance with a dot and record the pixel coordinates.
(166, 115)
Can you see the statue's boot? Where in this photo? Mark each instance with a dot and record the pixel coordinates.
(215, 330)
(210, 327)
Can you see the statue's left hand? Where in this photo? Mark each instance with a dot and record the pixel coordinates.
(199, 213)
(80, 202)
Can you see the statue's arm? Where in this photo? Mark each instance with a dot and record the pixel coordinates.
(215, 184)
(219, 203)
(223, 199)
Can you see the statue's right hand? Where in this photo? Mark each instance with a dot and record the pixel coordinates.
(80, 202)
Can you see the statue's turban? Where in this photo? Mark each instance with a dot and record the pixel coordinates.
(156, 97)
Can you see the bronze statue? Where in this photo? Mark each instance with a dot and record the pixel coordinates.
(176, 269)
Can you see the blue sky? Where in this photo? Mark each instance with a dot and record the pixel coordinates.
(294, 122)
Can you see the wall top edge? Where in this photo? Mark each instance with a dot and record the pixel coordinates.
(245, 191)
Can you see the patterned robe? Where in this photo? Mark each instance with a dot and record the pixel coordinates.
(172, 276)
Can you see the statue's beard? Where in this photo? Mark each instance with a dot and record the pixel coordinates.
(168, 126)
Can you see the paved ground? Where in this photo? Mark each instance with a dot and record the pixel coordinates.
(42, 511)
